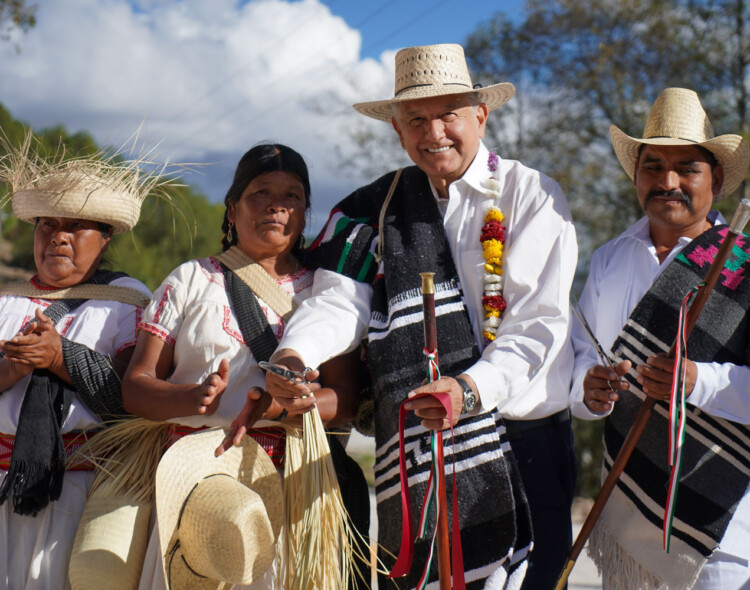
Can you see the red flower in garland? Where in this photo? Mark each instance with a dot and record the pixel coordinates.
(494, 302)
(493, 230)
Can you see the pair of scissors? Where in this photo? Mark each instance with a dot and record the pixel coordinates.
(294, 376)
(603, 356)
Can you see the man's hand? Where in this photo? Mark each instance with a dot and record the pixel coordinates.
(432, 411)
(38, 346)
(207, 395)
(600, 386)
(255, 406)
(656, 377)
(295, 396)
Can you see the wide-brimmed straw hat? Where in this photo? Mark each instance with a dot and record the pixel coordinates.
(434, 70)
(218, 517)
(102, 187)
(677, 118)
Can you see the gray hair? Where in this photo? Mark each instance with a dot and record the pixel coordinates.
(468, 99)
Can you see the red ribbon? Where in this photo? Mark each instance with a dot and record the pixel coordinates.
(406, 553)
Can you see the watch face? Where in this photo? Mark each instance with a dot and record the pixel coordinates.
(470, 401)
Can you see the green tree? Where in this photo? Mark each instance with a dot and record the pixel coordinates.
(16, 14)
(581, 65)
(168, 232)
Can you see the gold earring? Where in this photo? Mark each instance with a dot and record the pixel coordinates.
(230, 237)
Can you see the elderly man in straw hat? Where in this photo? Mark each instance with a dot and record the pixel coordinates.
(65, 339)
(499, 237)
(631, 300)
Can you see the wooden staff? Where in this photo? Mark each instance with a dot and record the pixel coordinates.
(738, 223)
(430, 344)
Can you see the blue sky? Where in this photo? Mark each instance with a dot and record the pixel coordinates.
(208, 80)
(388, 24)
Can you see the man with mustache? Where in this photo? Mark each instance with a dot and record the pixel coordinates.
(635, 285)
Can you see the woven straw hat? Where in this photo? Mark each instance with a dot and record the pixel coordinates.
(677, 118)
(102, 187)
(110, 543)
(218, 517)
(434, 70)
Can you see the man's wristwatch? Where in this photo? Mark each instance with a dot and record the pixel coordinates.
(470, 398)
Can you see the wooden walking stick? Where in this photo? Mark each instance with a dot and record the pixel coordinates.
(430, 345)
(736, 227)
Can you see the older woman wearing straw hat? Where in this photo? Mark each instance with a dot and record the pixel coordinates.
(213, 320)
(632, 300)
(65, 339)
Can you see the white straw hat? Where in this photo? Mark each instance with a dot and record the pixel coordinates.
(434, 70)
(110, 543)
(677, 118)
(218, 517)
(102, 187)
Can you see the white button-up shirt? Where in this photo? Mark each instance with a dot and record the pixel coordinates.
(621, 273)
(525, 372)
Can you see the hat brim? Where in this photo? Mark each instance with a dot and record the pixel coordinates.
(493, 96)
(191, 459)
(101, 205)
(731, 151)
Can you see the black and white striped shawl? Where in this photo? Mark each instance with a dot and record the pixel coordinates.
(495, 522)
(627, 542)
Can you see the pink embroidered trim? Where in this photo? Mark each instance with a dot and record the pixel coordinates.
(66, 326)
(215, 274)
(157, 331)
(162, 303)
(226, 325)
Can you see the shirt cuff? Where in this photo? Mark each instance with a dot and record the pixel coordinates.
(704, 390)
(486, 379)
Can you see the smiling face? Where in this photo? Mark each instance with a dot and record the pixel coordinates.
(270, 215)
(67, 251)
(676, 186)
(441, 135)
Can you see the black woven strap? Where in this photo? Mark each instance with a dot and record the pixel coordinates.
(254, 325)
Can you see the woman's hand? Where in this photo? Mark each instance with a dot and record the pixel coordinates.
(38, 346)
(207, 395)
(257, 403)
(293, 395)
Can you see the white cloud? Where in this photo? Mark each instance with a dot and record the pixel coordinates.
(210, 79)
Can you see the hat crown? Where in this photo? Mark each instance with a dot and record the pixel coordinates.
(225, 532)
(678, 114)
(431, 65)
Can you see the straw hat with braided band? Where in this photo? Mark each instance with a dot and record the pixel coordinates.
(677, 118)
(434, 70)
(101, 187)
(218, 517)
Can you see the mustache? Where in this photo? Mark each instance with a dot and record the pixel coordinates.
(673, 194)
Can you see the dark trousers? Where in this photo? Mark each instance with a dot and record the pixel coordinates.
(548, 468)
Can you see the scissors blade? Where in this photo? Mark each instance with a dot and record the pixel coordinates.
(578, 312)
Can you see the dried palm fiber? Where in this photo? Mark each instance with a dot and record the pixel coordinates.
(320, 540)
(112, 536)
(103, 187)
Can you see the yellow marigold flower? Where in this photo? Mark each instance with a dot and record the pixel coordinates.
(489, 268)
(488, 335)
(499, 270)
(494, 215)
(492, 249)
(495, 313)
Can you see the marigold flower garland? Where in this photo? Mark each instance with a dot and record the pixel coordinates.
(493, 241)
